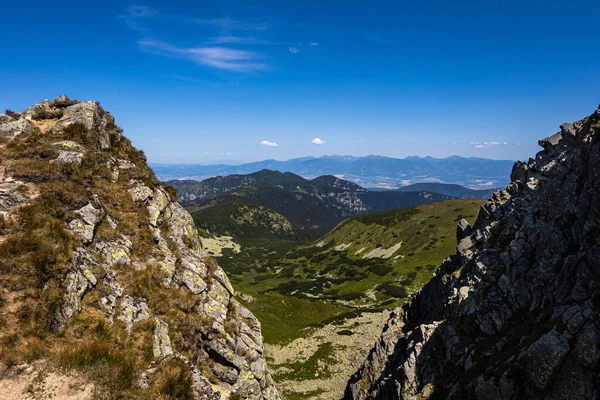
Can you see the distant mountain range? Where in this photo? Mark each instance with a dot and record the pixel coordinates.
(271, 203)
(450, 190)
(370, 171)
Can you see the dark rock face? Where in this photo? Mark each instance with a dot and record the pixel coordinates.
(514, 314)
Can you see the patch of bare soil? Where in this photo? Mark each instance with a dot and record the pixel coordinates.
(45, 124)
(36, 382)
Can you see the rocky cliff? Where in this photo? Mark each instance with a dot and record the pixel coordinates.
(102, 271)
(514, 314)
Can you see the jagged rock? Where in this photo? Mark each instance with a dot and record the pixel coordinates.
(463, 230)
(93, 117)
(140, 192)
(117, 252)
(90, 214)
(132, 311)
(31, 112)
(161, 346)
(109, 302)
(513, 309)
(21, 128)
(78, 282)
(61, 98)
(157, 204)
(539, 363)
(90, 218)
(123, 262)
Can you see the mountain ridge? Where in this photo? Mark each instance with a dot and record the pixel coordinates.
(514, 313)
(102, 272)
(226, 204)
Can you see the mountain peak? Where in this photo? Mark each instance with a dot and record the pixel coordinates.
(100, 263)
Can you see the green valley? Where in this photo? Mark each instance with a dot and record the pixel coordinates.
(313, 297)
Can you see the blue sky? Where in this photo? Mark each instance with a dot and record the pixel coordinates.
(208, 81)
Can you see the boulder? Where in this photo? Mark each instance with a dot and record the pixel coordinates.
(5, 119)
(21, 128)
(44, 106)
(97, 121)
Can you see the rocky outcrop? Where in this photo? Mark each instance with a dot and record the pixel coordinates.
(21, 127)
(136, 270)
(514, 314)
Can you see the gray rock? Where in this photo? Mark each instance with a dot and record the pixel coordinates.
(132, 311)
(91, 215)
(532, 249)
(93, 117)
(42, 106)
(61, 98)
(5, 118)
(10, 196)
(78, 282)
(539, 363)
(161, 345)
(19, 128)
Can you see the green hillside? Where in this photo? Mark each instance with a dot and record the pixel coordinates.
(372, 261)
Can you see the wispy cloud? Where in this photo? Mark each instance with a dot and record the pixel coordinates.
(486, 145)
(228, 24)
(222, 58)
(224, 44)
(318, 141)
(269, 144)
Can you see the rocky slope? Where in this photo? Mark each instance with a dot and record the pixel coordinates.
(101, 270)
(514, 314)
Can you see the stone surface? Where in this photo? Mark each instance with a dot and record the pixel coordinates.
(94, 118)
(19, 128)
(513, 315)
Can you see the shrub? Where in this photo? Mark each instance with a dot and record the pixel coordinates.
(64, 103)
(47, 114)
(175, 382)
(12, 114)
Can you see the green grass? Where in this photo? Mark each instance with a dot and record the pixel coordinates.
(309, 369)
(299, 285)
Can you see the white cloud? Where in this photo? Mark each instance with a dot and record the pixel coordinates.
(318, 141)
(293, 50)
(314, 44)
(486, 145)
(216, 57)
(270, 144)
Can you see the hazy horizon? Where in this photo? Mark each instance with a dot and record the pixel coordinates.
(234, 162)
